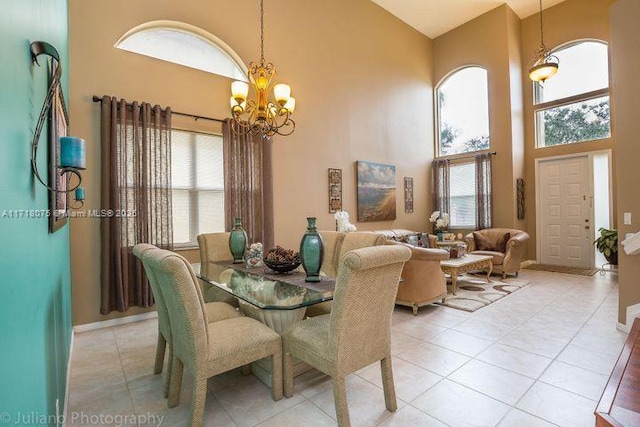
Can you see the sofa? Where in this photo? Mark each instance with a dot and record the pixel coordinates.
(507, 253)
(402, 235)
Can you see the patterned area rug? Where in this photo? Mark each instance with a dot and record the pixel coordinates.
(562, 269)
(474, 292)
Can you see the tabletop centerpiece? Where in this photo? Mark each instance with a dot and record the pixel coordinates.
(440, 222)
(282, 260)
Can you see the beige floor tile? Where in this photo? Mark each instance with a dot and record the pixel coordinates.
(558, 406)
(517, 418)
(303, 414)
(588, 359)
(610, 343)
(460, 342)
(581, 381)
(403, 342)
(435, 359)
(365, 401)
(498, 383)
(515, 360)
(311, 383)
(489, 330)
(410, 416)
(247, 400)
(418, 328)
(410, 380)
(442, 316)
(460, 406)
(541, 346)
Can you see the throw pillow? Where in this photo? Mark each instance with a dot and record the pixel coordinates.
(483, 243)
(501, 244)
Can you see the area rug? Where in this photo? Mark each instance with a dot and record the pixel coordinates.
(562, 269)
(475, 293)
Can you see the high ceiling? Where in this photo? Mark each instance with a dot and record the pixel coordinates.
(435, 17)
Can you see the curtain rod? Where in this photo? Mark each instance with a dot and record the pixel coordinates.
(99, 99)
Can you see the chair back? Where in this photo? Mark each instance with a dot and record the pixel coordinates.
(185, 305)
(357, 240)
(332, 243)
(360, 322)
(161, 307)
(214, 247)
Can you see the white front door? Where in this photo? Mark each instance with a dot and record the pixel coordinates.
(564, 212)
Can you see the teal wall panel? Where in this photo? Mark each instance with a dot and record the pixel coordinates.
(35, 315)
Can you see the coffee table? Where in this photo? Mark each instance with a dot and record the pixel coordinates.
(454, 267)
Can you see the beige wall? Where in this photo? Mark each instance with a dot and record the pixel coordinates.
(625, 33)
(566, 22)
(492, 41)
(362, 79)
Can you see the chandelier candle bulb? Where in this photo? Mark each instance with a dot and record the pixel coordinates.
(282, 92)
(72, 153)
(240, 91)
(290, 106)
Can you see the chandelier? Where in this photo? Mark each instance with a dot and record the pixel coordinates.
(261, 116)
(544, 65)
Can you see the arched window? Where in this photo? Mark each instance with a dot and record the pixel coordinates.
(186, 45)
(573, 106)
(463, 112)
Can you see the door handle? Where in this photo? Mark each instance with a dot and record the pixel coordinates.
(586, 227)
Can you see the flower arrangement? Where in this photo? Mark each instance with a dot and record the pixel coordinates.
(253, 256)
(439, 221)
(342, 222)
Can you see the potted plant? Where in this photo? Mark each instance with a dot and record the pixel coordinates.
(607, 244)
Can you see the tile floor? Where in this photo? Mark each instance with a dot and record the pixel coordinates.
(539, 357)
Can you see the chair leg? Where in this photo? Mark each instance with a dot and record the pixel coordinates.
(504, 275)
(175, 383)
(198, 401)
(340, 401)
(288, 375)
(388, 385)
(276, 375)
(167, 380)
(160, 348)
(246, 369)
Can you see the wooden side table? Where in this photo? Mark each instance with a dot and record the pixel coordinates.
(464, 264)
(619, 405)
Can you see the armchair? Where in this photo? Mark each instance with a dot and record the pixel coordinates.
(507, 262)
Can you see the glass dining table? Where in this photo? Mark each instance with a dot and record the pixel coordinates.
(276, 299)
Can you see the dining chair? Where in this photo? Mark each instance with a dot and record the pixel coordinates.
(207, 349)
(357, 332)
(214, 247)
(215, 311)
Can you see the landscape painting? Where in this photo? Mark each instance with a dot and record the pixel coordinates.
(376, 191)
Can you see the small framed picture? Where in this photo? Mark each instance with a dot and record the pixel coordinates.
(408, 195)
(335, 190)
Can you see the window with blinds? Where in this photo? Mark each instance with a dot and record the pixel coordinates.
(197, 179)
(462, 189)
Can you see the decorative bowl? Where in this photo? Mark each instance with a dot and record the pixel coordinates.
(282, 267)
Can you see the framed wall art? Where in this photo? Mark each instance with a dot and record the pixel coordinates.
(335, 190)
(376, 191)
(408, 195)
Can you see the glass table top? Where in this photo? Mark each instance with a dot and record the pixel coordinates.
(263, 288)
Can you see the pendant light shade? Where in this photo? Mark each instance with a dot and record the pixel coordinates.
(544, 65)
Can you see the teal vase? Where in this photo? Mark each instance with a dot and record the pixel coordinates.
(238, 241)
(311, 251)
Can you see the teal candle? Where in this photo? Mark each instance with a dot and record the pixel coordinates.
(79, 194)
(72, 152)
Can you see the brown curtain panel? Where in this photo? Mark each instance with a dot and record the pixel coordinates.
(440, 190)
(135, 195)
(483, 191)
(248, 184)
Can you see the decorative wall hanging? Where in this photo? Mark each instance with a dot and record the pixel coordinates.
(520, 197)
(376, 191)
(335, 190)
(408, 195)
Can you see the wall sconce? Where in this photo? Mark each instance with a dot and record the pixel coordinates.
(67, 154)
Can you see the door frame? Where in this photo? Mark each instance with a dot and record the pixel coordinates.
(589, 155)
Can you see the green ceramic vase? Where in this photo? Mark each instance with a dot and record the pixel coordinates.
(311, 251)
(238, 241)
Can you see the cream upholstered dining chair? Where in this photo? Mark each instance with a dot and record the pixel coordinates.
(214, 247)
(337, 244)
(207, 349)
(215, 311)
(358, 330)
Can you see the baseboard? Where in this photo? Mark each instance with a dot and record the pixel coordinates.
(527, 263)
(66, 389)
(114, 322)
(633, 311)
